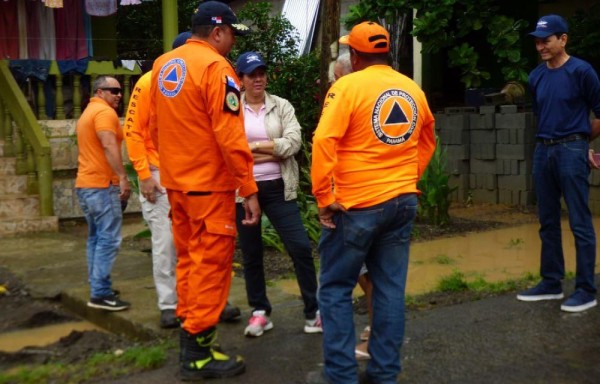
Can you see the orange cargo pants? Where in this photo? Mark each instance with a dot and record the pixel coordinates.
(204, 233)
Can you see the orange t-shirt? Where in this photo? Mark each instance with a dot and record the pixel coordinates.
(140, 147)
(197, 123)
(94, 171)
(374, 139)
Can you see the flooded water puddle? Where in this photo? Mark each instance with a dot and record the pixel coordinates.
(42, 336)
(497, 255)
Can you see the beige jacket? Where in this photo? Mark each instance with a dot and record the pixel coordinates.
(284, 130)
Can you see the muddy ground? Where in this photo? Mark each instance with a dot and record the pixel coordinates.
(19, 311)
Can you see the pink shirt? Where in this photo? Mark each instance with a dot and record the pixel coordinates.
(254, 124)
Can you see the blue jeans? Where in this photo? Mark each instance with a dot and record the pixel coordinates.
(379, 236)
(563, 169)
(102, 210)
(285, 217)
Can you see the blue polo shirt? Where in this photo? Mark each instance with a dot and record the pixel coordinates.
(563, 98)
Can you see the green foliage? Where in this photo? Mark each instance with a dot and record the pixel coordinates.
(584, 34)
(100, 365)
(465, 57)
(457, 282)
(453, 25)
(443, 260)
(453, 283)
(434, 201)
(294, 78)
(139, 28)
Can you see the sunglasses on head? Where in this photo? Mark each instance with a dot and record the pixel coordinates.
(113, 90)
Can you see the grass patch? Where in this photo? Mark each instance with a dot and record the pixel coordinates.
(98, 366)
(457, 282)
(443, 260)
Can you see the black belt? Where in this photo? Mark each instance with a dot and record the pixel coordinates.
(566, 139)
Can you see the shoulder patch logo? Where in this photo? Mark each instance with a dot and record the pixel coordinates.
(232, 101)
(172, 77)
(394, 117)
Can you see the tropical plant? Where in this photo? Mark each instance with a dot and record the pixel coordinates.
(434, 201)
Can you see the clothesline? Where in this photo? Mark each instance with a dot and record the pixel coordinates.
(51, 29)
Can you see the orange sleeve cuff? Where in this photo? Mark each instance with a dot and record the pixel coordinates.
(248, 189)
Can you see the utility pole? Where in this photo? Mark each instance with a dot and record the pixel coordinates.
(169, 20)
(330, 33)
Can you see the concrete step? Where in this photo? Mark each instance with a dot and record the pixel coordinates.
(17, 205)
(11, 184)
(7, 165)
(13, 226)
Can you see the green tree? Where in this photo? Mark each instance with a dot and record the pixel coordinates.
(454, 25)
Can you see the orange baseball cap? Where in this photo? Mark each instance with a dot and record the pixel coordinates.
(368, 37)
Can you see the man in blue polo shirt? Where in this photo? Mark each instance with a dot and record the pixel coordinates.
(564, 90)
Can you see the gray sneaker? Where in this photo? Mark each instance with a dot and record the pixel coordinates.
(108, 303)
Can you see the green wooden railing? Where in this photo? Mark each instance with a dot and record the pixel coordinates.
(25, 140)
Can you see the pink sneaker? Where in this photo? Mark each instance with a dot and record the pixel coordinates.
(258, 324)
(314, 325)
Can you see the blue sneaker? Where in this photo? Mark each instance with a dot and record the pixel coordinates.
(579, 302)
(542, 291)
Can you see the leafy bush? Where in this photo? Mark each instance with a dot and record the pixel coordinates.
(434, 201)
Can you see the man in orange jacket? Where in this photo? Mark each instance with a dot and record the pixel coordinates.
(197, 125)
(155, 204)
(374, 141)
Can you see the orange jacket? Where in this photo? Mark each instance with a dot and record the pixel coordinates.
(197, 123)
(140, 147)
(94, 171)
(374, 139)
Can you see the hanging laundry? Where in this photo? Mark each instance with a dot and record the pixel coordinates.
(70, 32)
(53, 3)
(130, 2)
(9, 44)
(100, 7)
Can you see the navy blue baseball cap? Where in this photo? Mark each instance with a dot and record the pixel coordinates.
(549, 25)
(217, 13)
(181, 39)
(248, 62)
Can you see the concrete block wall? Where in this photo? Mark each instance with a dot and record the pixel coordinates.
(63, 141)
(489, 153)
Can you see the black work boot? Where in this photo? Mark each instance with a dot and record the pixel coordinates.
(199, 360)
(230, 313)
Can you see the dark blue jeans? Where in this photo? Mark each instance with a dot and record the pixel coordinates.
(379, 236)
(285, 217)
(563, 170)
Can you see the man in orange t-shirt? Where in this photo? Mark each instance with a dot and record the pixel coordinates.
(197, 126)
(101, 187)
(374, 141)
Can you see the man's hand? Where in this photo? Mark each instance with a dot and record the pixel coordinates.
(593, 162)
(149, 187)
(252, 209)
(325, 214)
(125, 188)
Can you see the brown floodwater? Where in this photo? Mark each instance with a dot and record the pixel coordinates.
(41, 336)
(496, 255)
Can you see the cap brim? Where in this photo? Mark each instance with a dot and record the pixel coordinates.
(541, 35)
(240, 29)
(252, 67)
(344, 39)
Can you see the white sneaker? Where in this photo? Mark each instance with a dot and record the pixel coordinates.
(314, 325)
(258, 324)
